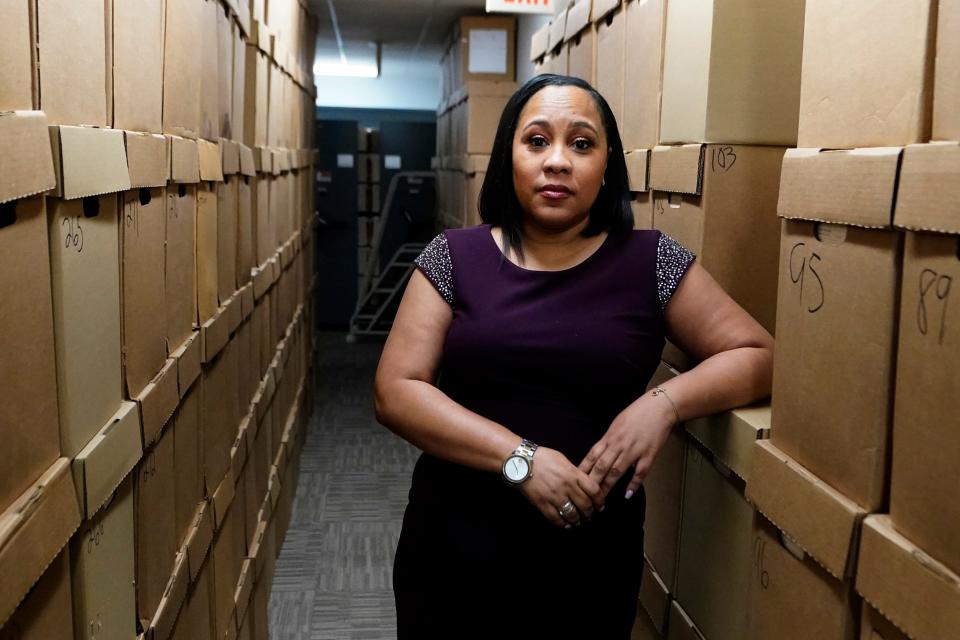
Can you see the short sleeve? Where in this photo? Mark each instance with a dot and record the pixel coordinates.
(434, 262)
(673, 260)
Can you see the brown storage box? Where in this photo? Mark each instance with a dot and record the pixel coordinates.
(486, 47)
(17, 58)
(225, 46)
(923, 496)
(186, 461)
(643, 66)
(913, 591)
(225, 571)
(642, 206)
(219, 419)
(73, 61)
(209, 70)
(263, 224)
(611, 44)
(228, 194)
(654, 598)
(183, 42)
(30, 424)
(731, 72)
(47, 612)
(713, 572)
(102, 557)
(246, 242)
(831, 402)
(792, 597)
(539, 42)
(580, 42)
(478, 116)
(720, 201)
(946, 84)
(239, 85)
(148, 159)
(881, 94)
(194, 621)
(255, 118)
(180, 260)
(207, 303)
(681, 627)
(873, 626)
(137, 63)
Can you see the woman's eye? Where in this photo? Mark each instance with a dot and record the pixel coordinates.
(582, 144)
(537, 141)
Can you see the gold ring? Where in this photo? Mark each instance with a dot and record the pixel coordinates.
(567, 509)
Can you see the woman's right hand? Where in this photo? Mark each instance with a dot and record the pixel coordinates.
(556, 480)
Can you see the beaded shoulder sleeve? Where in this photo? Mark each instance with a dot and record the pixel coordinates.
(673, 260)
(434, 262)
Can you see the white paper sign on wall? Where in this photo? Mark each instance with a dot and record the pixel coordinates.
(522, 6)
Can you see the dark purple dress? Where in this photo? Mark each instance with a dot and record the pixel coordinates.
(553, 356)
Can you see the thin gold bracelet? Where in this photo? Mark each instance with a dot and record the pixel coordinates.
(660, 391)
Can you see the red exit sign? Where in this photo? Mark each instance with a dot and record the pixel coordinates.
(522, 6)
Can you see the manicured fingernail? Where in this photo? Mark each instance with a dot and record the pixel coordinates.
(629, 493)
(602, 507)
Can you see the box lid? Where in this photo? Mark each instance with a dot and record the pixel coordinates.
(558, 29)
(147, 159)
(184, 160)
(677, 168)
(638, 169)
(654, 596)
(107, 459)
(855, 187)
(578, 18)
(89, 161)
(230, 156)
(211, 167)
(681, 627)
(539, 41)
(26, 162)
(602, 7)
(928, 198)
(730, 436)
(821, 520)
(915, 592)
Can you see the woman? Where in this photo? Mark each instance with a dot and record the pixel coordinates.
(518, 363)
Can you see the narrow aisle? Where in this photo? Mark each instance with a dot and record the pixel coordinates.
(333, 576)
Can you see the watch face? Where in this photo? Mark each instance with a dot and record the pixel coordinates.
(516, 468)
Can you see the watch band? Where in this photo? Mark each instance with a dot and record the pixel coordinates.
(526, 449)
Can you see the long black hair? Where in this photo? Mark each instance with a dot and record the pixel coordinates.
(498, 202)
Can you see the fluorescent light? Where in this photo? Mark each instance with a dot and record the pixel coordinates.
(346, 69)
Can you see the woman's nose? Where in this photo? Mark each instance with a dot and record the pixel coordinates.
(557, 160)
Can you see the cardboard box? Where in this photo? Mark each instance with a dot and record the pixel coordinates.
(188, 356)
(107, 459)
(245, 230)
(580, 42)
(484, 103)
(154, 501)
(219, 417)
(638, 169)
(705, 197)
(681, 627)
(713, 572)
(180, 260)
(263, 223)
(611, 43)
(643, 66)
(486, 48)
(73, 61)
(211, 161)
(18, 67)
(27, 163)
(37, 526)
(922, 504)
(184, 160)
(821, 520)
(225, 48)
(194, 622)
(173, 600)
(915, 592)
(731, 73)
(730, 436)
(654, 598)
(873, 626)
(47, 612)
(227, 217)
(102, 559)
(137, 64)
(88, 161)
(225, 570)
(792, 597)
(183, 41)
(643, 628)
(209, 70)
(30, 424)
(946, 85)
(882, 94)
(207, 303)
(238, 125)
(85, 269)
(642, 206)
(538, 43)
(186, 461)
(148, 161)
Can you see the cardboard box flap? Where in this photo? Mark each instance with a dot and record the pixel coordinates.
(89, 161)
(730, 436)
(230, 156)
(681, 627)
(158, 401)
(539, 42)
(601, 8)
(26, 163)
(184, 160)
(915, 592)
(557, 30)
(654, 596)
(578, 18)
(33, 530)
(475, 163)
(677, 168)
(821, 520)
(247, 165)
(173, 598)
(211, 168)
(147, 159)
(107, 459)
(638, 169)
(855, 187)
(928, 198)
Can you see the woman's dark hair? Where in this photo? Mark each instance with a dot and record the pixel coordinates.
(498, 201)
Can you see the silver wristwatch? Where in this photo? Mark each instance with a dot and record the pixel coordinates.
(518, 468)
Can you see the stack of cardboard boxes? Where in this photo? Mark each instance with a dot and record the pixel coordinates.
(478, 77)
(369, 165)
(156, 277)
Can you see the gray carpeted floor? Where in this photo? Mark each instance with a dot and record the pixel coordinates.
(333, 577)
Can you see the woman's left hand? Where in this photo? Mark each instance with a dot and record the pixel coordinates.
(633, 440)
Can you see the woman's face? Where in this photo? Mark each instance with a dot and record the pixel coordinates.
(559, 157)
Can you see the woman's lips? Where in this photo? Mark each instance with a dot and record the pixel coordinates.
(555, 192)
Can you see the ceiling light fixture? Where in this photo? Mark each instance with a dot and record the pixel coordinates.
(346, 70)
